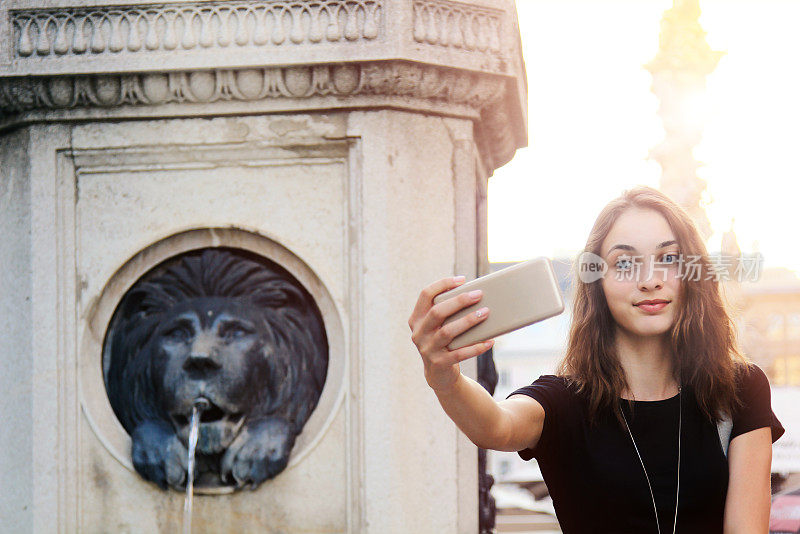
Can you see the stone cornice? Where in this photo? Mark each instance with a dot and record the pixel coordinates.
(188, 58)
(452, 86)
(398, 85)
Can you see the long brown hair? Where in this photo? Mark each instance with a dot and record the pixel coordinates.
(703, 338)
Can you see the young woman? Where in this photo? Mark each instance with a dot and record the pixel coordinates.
(634, 432)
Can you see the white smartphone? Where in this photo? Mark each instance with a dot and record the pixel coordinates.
(516, 296)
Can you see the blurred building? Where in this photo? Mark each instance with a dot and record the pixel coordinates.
(772, 317)
(769, 329)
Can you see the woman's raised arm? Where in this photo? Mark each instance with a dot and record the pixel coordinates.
(509, 425)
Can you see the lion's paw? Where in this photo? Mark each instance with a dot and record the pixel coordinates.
(260, 451)
(158, 455)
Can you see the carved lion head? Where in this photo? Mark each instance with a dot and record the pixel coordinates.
(226, 330)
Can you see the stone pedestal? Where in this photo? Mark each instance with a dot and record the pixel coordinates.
(348, 141)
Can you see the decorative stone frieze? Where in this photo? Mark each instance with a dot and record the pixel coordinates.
(187, 26)
(458, 25)
(403, 79)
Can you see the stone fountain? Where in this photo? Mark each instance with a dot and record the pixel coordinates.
(236, 203)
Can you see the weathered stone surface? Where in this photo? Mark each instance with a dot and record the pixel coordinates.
(16, 365)
(352, 149)
(342, 191)
(449, 58)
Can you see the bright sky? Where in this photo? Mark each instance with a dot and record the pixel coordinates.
(592, 120)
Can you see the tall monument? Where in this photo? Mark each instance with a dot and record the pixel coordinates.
(679, 70)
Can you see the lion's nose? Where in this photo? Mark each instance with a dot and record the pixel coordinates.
(201, 362)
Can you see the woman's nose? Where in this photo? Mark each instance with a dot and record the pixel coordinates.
(650, 276)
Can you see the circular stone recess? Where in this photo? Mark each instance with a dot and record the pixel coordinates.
(96, 362)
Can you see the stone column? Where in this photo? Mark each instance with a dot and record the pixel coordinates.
(349, 141)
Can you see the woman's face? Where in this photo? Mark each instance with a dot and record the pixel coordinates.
(642, 257)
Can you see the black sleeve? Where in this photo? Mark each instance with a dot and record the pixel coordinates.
(551, 392)
(756, 409)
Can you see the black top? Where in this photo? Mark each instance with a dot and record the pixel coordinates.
(594, 474)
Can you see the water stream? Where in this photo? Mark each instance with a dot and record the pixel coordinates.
(199, 406)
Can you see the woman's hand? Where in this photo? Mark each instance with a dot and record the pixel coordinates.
(508, 425)
(432, 337)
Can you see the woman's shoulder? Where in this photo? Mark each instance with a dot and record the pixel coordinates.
(754, 409)
(749, 373)
(564, 412)
(549, 390)
(751, 383)
(550, 382)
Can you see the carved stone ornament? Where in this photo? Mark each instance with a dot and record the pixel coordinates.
(142, 28)
(431, 56)
(226, 330)
(185, 34)
(484, 94)
(404, 79)
(458, 25)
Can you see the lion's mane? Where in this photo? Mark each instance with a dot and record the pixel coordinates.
(292, 376)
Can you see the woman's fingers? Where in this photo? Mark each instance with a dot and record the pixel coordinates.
(437, 315)
(425, 300)
(432, 337)
(447, 332)
(465, 353)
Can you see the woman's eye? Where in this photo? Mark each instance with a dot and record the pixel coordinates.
(673, 256)
(623, 264)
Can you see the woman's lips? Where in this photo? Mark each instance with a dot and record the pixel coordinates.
(652, 308)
